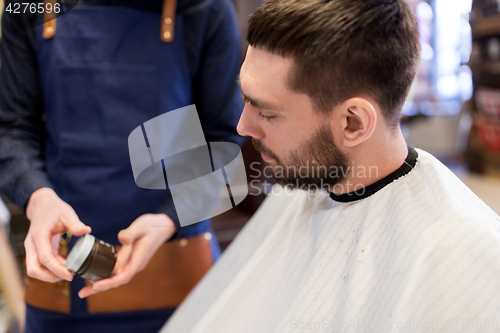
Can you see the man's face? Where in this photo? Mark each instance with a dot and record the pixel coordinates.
(294, 139)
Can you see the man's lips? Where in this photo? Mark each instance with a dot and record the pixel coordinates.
(266, 158)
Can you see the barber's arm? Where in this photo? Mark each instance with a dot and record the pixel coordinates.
(217, 98)
(217, 94)
(22, 169)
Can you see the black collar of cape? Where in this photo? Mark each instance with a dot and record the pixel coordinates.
(408, 165)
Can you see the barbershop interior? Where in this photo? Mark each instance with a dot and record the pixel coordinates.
(452, 112)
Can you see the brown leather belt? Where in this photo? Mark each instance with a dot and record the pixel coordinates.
(170, 275)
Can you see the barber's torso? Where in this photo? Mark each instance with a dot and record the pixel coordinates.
(103, 73)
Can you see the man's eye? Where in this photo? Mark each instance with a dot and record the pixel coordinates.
(266, 117)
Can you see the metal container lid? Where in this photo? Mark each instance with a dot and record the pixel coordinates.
(79, 252)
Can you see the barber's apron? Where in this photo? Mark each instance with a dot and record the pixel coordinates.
(104, 73)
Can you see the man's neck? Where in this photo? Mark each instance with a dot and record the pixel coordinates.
(374, 160)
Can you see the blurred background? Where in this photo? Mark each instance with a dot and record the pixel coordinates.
(453, 112)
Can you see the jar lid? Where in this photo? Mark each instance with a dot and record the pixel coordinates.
(79, 252)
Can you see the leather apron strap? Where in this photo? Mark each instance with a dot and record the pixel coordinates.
(166, 28)
(168, 20)
(49, 19)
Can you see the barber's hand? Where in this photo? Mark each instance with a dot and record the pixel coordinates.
(49, 216)
(140, 242)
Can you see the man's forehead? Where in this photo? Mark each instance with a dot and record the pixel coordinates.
(264, 75)
(261, 64)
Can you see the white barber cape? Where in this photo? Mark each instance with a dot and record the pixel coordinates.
(417, 252)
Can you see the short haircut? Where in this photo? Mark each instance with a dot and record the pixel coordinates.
(343, 49)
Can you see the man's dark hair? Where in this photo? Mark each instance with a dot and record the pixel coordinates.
(343, 48)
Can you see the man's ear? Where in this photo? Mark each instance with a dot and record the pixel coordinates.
(356, 119)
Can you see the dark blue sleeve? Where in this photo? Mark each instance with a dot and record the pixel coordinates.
(21, 107)
(213, 44)
(215, 88)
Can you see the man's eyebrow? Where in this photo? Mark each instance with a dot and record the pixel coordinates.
(259, 104)
(255, 102)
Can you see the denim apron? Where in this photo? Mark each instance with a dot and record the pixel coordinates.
(105, 72)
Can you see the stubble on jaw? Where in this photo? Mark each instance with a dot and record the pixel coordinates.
(312, 164)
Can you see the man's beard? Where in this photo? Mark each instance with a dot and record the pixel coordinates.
(317, 164)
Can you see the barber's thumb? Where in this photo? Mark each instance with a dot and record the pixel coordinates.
(125, 237)
(76, 227)
(131, 234)
(128, 236)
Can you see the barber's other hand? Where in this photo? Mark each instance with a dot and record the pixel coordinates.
(49, 216)
(140, 242)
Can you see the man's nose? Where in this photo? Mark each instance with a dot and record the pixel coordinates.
(249, 124)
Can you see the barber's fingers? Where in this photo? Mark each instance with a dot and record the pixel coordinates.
(46, 257)
(138, 259)
(55, 243)
(122, 258)
(61, 260)
(159, 226)
(87, 291)
(115, 281)
(72, 223)
(33, 266)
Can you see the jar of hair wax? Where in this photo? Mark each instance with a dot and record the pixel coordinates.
(91, 258)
